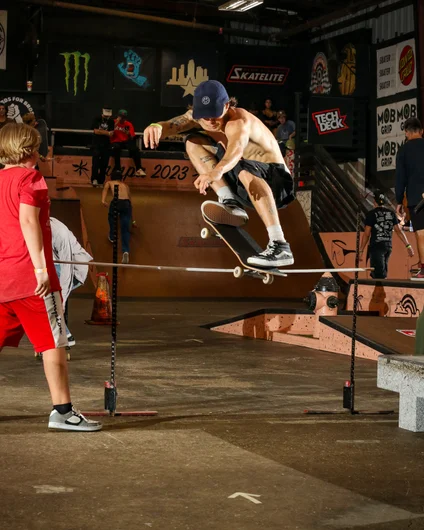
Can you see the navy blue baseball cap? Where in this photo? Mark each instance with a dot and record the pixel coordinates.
(209, 100)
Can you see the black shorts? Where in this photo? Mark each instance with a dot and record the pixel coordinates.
(417, 219)
(279, 179)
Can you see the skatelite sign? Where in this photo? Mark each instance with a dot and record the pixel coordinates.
(390, 131)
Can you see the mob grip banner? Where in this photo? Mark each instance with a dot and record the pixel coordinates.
(390, 130)
(330, 121)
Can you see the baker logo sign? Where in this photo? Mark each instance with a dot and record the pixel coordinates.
(406, 65)
(329, 121)
(258, 75)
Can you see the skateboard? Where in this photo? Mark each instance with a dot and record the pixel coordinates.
(243, 246)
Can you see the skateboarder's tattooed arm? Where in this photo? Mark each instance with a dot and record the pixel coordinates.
(208, 158)
(162, 129)
(179, 124)
(237, 132)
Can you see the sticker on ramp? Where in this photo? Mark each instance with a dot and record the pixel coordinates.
(407, 332)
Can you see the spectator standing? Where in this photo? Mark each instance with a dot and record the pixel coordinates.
(410, 179)
(67, 248)
(285, 131)
(379, 225)
(103, 127)
(30, 300)
(268, 115)
(4, 120)
(124, 211)
(124, 138)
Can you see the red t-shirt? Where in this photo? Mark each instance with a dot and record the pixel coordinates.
(17, 277)
(123, 131)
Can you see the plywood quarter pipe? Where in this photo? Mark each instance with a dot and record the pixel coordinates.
(168, 233)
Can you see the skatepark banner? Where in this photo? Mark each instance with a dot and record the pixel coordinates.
(330, 121)
(340, 66)
(3, 39)
(396, 69)
(161, 174)
(390, 131)
(182, 71)
(134, 68)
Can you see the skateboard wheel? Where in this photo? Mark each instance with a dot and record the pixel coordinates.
(205, 233)
(238, 272)
(268, 279)
(68, 355)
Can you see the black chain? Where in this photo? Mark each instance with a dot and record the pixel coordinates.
(355, 309)
(114, 283)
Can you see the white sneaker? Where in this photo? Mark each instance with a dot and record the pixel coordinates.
(71, 340)
(125, 257)
(140, 173)
(229, 212)
(95, 183)
(72, 421)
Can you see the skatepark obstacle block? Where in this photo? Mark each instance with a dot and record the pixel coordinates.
(405, 375)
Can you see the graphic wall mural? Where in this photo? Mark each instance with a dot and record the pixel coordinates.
(340, 66)
(134, 68)
(182, 72)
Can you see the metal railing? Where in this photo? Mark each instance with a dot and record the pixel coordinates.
(89, 132)
(335, 198)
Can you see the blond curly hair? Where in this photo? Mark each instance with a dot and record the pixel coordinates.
(18, 142)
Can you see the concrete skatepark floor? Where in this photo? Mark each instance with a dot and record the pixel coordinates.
(231, 420)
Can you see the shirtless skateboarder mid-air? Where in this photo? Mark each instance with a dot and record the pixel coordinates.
(238, 157)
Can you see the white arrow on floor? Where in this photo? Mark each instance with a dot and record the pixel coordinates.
(249, 496)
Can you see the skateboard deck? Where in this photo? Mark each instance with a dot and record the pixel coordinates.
(243, 245)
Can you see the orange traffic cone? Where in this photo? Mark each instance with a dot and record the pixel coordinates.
(102, 307)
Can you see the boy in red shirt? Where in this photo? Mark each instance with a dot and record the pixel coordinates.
(123, 137)
(30, 300)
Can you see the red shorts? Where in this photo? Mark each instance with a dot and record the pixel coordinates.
(40, 318)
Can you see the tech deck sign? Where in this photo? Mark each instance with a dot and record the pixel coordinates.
(330, 121)
(396, 69)
(258, 75)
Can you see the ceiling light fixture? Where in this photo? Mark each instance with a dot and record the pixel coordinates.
(240, 5)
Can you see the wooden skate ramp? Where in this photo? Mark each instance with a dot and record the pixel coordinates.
(168, 233)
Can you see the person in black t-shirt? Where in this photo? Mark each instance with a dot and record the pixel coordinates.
(379, 225)
(103, 129)
(410, 179)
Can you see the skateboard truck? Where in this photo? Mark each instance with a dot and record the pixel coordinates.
(266, 278)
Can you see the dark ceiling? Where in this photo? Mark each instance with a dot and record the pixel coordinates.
(289, 15)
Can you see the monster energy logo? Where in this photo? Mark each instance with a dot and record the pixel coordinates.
(76, 56)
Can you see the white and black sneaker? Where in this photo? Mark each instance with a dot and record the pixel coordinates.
(226, 212)
(95, 183)
(276, 254)
(71, 340)
(72, 421)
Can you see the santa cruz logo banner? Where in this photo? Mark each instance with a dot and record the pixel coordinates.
(258, 75)
(330, 121)
(396, 69)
